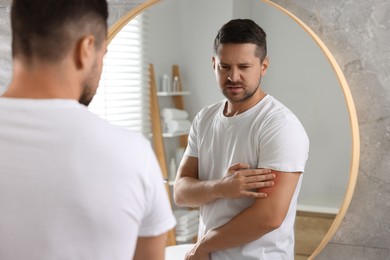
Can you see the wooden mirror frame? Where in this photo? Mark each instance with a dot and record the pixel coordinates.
(355, 152)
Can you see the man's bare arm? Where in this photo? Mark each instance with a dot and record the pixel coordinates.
(151, 248)
(239, 182)
(261, 218)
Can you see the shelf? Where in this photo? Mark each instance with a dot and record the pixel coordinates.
(157, 131)
(170, 135)
(170, 183)
(174, 134)
(176, 93)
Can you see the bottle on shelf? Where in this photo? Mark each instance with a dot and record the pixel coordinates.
(165, 83)
(175, 84)
(172, 170)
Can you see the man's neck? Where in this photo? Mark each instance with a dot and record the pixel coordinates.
(41, 81)
(236, 108)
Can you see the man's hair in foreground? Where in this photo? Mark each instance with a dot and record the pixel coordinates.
(242, 31)
(47, 29)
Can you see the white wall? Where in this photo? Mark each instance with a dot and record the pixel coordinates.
(164, 39)
(190, 40)
(200, 23)
(299, 76)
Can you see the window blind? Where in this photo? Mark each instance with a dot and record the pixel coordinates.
(122, 97)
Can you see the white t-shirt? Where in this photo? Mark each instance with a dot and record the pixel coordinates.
(73, 186)
(266, 136)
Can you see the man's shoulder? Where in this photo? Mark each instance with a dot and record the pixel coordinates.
(96, 128)
(123, 135)
(210, 110)
(276, 111)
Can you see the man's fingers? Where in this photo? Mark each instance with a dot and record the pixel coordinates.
(257, 185)
(251, 172)
(260, 178)
(258, 195)
(239, 166)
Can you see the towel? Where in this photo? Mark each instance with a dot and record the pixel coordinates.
(184, 226)
(193, 229)
(185, 217)
(173, 113)
(174, 126)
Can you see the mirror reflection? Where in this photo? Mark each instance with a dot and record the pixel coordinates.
(299, 76)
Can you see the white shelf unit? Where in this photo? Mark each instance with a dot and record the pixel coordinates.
(157, 133)
(176, 134)
(171, 94)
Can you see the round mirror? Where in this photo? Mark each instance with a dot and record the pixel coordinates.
(302, 74)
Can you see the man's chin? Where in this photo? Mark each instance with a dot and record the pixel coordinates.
(232, 97)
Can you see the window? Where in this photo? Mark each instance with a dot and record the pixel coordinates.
(123, 94)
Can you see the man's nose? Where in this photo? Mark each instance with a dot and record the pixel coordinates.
(234, 75)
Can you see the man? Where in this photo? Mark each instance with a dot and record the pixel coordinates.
(72, 186)
(235, 148)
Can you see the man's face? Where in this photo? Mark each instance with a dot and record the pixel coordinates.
(238, 71)
(91, 83)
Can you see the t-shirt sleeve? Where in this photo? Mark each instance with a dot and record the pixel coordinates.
(284, 146)
(192, 145)
(158, 217)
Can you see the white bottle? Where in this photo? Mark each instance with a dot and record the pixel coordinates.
(165, 83)
(175, 85)
(172, 170)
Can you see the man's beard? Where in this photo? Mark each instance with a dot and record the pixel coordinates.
(89, 87)
(247, 95)
(86, 96)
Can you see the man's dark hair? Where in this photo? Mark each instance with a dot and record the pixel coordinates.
(47, 29)
(242, 31)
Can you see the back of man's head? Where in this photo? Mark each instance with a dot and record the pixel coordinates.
(48, 29)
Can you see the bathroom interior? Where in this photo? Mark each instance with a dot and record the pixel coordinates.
(301, 76)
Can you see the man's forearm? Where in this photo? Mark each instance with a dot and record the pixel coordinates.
(238, 182)
(190, 192)
(264, 216)
(242, 229)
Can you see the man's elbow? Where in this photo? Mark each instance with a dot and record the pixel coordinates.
(178, 197)
(273, 220)
(179, 201)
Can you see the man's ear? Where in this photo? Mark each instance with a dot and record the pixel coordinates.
(264, 66)
(213, 62)
(85, 52)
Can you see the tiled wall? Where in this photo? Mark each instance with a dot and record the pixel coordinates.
(5, 48)
(358, 35)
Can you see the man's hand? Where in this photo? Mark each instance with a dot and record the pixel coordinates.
(262, 217)
(240, 181)
(198, 252)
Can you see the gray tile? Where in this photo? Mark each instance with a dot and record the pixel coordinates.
(342, 251)
(357, 33)
(5, 49)
(117, 11)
